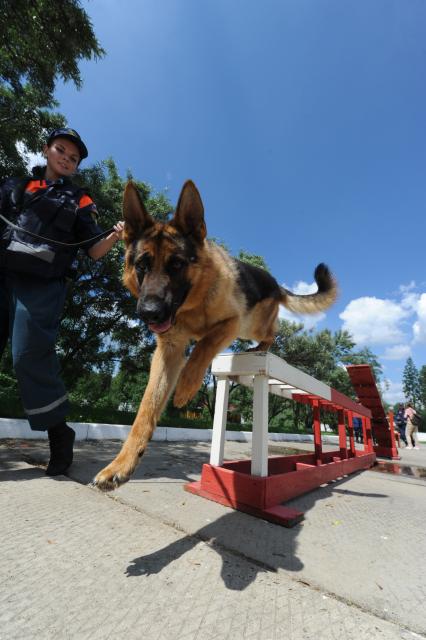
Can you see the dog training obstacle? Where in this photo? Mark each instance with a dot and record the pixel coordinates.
(382, 425)
(259, 486)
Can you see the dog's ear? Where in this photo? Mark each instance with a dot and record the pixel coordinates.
(136, 218)
(189, 215)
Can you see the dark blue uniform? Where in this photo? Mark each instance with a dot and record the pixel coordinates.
(33, 285)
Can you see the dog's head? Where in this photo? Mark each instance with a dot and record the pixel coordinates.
(161, 257)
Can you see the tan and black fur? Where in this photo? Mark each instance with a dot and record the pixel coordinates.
(190, 289)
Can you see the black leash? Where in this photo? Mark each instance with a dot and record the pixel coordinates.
(63, 244)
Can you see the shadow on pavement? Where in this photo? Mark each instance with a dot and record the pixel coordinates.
(264, 546)
(13, 474)
(213, 534)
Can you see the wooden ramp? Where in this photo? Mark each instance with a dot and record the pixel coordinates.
(365, 387)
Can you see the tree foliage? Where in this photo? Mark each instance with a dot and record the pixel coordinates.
(100, 330)
(253, 259)
(422, 384)
(41, 41)
(411, 382)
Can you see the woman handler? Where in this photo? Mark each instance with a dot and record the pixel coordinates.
(51, 213)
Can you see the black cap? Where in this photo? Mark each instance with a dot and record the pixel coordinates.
(72, 135)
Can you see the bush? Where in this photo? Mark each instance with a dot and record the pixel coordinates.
(10, 403)
(102, 415)
(10, 407)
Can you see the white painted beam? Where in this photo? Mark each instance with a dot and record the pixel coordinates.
(259, 462)
(219, 422)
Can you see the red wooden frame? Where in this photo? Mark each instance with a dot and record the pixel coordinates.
(233, 485)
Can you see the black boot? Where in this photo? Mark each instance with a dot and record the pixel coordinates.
(61, 441)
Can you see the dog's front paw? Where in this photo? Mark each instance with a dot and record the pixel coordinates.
(113, 476)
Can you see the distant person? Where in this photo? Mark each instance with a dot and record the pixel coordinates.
(401, 423)
(43, 217)
(412, 426)
(357, 425)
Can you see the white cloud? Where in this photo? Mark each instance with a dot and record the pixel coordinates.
(398, 352)
(405, 288)
(393, 392)
(374, 321)
(410, 302)
(309, 321)
(419, 327)
(303, 288)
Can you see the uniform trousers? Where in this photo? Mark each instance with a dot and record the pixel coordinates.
(30, 315)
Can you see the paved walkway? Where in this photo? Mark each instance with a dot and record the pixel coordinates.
(153, 562)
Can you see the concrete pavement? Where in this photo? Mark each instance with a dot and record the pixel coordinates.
(154, 562)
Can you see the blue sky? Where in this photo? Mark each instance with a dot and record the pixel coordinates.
(302, 123)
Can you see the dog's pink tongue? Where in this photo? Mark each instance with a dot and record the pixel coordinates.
(162, 327)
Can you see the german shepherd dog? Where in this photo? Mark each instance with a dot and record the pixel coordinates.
(188, 288)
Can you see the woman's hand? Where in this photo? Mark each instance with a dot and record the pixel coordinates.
(118, 230)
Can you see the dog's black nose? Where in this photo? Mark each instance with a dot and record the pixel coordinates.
(153, 309)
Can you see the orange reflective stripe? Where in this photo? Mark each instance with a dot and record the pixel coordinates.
(85, 201)
(35, 185)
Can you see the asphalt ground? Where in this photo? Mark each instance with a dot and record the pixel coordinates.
(152, 561)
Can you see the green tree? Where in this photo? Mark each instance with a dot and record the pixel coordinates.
(411, 382)
(41, 41)
(422, 384)
(100, 330)
(128, 385)
(252, 258)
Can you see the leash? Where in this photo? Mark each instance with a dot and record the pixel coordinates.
(62, 244)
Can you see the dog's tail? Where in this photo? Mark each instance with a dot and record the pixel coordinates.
(313, 302)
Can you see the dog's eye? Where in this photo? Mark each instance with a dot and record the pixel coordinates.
(176, 264)
(143, 265)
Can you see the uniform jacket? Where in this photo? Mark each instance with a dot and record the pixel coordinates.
(56, 210)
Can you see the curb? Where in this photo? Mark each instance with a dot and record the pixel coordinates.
(15, 428)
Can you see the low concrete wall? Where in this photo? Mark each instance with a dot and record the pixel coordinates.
(14, 428)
